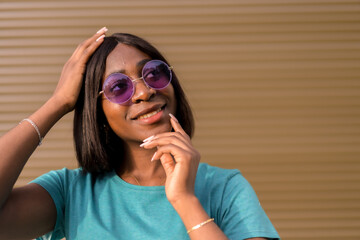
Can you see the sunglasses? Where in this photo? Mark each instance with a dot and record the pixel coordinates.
(119, 88)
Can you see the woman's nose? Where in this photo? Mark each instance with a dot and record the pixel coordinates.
(142, 91)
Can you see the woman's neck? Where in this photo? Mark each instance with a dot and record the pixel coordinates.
(138, 169)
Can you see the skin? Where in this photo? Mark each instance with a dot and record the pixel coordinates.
(125, 59)
(121, 117)
(29, 211)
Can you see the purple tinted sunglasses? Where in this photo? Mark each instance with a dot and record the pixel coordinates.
(119, 88)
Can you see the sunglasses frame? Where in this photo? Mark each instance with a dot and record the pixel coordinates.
(135, 80)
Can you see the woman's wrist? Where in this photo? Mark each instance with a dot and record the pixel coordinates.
(190, 210)
(60, 106)
(183, 201)
(48, 114)
(198, 223)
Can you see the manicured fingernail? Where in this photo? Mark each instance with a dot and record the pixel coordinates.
(148, 139)
(104, 29)
(143, 144)
(173, 117)
(99, 38)
(153, 157)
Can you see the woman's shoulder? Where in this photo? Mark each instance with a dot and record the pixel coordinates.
(207, 172)
(63, 178)
(217, 180)
(64, 174)
(217, 184)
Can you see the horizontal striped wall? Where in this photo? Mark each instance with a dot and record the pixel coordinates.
(274, 85)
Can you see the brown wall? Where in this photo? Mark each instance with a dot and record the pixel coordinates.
(275, 87)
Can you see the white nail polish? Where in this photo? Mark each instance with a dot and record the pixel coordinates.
(143, 144)
(104, 29)
(152, 159)
(173, 117)
(99, 38)
(148, 139)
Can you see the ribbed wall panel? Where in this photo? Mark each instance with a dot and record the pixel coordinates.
(275, 88)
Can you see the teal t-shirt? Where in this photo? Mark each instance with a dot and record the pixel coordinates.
(109, 208)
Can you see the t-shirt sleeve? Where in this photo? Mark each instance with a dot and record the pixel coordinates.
(54, 183)
(242, 216)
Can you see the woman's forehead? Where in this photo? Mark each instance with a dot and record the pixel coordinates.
(124, 58)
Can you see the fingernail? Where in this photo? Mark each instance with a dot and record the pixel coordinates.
(149, 138)
(104, 29)
(153, 157)
(99, 38)
(143, 144)
(173, 117)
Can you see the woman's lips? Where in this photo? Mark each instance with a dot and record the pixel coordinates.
(146, 111)
(151, 117)
(149, 114)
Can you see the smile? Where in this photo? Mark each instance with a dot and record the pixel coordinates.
(150, 114)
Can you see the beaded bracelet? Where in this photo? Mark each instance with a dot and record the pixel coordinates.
(36, 129)
(200, 225)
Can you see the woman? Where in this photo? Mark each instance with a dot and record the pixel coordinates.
(140, 176)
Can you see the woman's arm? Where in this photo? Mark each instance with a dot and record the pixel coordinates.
(29, 211)
(180, 161)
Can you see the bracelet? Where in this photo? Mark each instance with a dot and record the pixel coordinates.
(200, 225)
(36, 129)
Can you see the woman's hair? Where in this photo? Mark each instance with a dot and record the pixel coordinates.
(98, 148)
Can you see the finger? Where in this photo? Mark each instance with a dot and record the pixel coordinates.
(97, 38)
(91, 49)
(168, 163)
(176, 125)
(166, 134)
(93, 38)
(175, 139)
(178, 154)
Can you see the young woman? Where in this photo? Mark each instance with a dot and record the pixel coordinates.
(139, 175)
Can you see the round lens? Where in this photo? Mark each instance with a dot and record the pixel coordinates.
(118, 88)
(157, 74)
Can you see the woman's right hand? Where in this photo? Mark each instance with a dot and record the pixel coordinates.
(69, 85)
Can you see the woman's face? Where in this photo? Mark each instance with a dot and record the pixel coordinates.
(147, 112)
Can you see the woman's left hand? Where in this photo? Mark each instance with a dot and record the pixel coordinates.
(179, 159)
